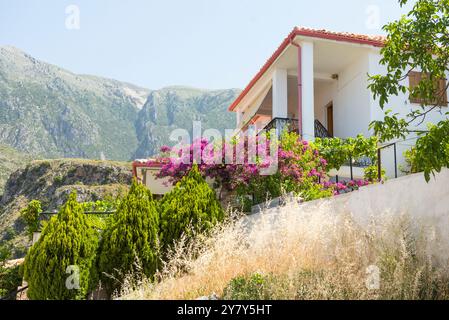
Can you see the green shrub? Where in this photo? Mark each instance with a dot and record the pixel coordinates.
(131, 237)
(338, 151)
(248, 287)
(413, 166)
(58, 180)
(10, 280)
(191, 207)
(67, 240)
(100, 221)
(30, 215)
(371, 173)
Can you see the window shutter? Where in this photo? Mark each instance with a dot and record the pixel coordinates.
(414, 79)
(442, 92)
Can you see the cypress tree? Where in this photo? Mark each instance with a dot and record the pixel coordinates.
(132, 236)
(67, 240)
(191, 207)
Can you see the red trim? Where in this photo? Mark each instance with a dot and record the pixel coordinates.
(376, 41)
(299, 87)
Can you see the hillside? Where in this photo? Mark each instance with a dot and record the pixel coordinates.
(51, 182)
(177, 107)
(50, 112)
(10, 161)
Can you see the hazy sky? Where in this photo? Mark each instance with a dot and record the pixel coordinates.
(201, 43)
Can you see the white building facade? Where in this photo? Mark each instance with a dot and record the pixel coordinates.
(318, 81)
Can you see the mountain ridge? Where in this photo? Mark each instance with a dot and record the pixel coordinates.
(50, 112)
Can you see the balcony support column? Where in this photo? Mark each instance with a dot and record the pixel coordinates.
(307, 104)
(280, 97)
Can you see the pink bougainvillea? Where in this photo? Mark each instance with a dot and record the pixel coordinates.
(299, 168)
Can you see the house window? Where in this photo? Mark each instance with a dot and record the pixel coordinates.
(440, 90)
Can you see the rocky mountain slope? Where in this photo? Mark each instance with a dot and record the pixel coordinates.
(177, 107)
(51, 112)
(51, 182)
(10, 161)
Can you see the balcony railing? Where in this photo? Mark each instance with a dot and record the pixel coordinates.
(290, 125)
(281, 125)
(321, 131)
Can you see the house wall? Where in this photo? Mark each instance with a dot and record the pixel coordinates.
(350, 97)
(292, 93)
(352, 100)
(398, 104)
(325, 92)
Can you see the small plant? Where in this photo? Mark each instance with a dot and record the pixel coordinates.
(30, 216)
(10, 278)
(247, 287)
(371, 173)
(58, 180)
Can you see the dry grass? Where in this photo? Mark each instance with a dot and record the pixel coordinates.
(313, 254)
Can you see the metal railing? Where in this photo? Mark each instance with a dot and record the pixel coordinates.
(321, 131)
(282, 124)
(379, 160)
(291, 124)
(13, 294)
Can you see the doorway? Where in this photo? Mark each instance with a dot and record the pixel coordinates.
(330, 118)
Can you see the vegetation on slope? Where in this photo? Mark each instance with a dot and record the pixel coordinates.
(51, 182)
(317, 254)
(10, 161)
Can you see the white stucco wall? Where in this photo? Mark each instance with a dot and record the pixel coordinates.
(351, 106)
(398, 104)
(350, 97)
(325, 92)
(427, 204)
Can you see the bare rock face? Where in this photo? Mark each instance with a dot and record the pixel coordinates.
(51, 182)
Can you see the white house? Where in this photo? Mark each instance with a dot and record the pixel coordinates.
(317, 81)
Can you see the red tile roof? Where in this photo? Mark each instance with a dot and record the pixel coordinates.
(373, 40)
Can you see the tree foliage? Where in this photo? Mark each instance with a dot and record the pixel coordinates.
(417, 41)
(67, 240)
(31, 216)
(192, 206)
(130, 242)
(338, 151)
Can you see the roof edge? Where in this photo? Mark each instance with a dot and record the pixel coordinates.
(375, 41)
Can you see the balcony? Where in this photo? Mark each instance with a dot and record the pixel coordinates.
(291, 125)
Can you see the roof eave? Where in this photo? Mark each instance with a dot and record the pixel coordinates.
(319, 34)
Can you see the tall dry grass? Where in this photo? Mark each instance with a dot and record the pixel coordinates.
(307, 254)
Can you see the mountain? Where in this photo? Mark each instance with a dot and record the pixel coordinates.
(50, 112)
(10, 161)
(177, 107)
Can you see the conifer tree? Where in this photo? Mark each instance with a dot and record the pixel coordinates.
(130, 242)
(59, 265)
(191, 207)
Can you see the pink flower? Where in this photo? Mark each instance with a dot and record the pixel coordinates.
(165, 149)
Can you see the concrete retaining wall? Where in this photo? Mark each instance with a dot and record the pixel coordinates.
(427, 204)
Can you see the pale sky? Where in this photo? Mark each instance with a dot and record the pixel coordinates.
(212, 44)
